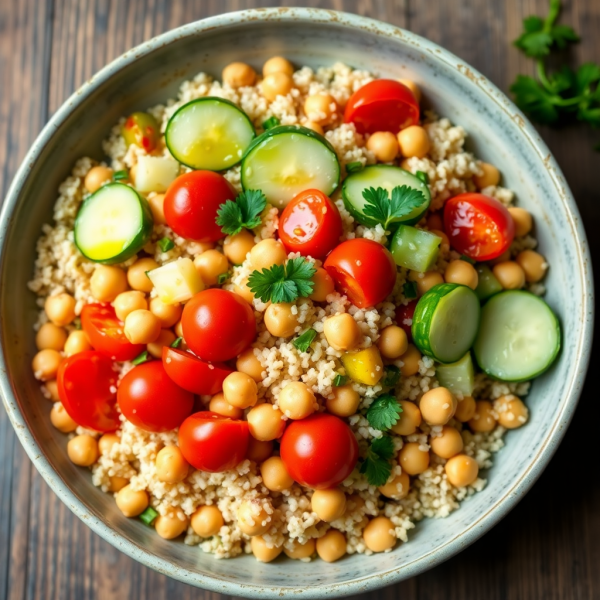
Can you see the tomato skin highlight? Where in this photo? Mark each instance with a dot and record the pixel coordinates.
(478, 226)
(218, 325)
(86, 387)
(362, 269)
(382, 105)
(151, 400)
(213, 443)
(320, 451)
(310, 224)
(191, 205)
(193, 374)
(404, 317)
(105, 332)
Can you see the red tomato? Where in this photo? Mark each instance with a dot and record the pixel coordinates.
(212, 442)
(362, 269)
(404, 317)
(319, 451)
(310, 224)
(191, 205)
(193, 374)
(218, 325)
(150, 399)
(105, 332)
(382, 105)
(87, 386)
(478, 226)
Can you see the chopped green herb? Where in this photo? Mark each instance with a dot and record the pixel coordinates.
(384, 412)
(467, 259)
(303, 341)
(379, 206)
(376, 465)
(120, 175)
(166, 244)
(177, 342)
(340, 380)
(271, 122)
(141, 358)
(355, 166)
(282, 283)
(148, 516)
(391, 376)
(243, 212)
(409, 289)
(77, 323)
(222, 278)
(422, 176)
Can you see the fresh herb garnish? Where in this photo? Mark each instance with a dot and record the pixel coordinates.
(222, 278)
(422, 176)
(380, 207)
(391, 376)
(166, 244)
(270, 122)
(177, 342)
(409, 289)
(243, 212)
(120, 175)
(141, 358)
(282, 283)
(149, 515)
(355, 166)
(467, 259)
(339, 380)
(303, 341)
(376, 465)
(384, 412)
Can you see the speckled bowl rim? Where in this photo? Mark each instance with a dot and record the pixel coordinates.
(511, 496)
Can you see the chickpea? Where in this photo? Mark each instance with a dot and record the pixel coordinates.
(267, 253)
(410, 419)
(331, 546)
(522, 219)
(171, 466)
(165, 338)
(240, 390)
(77, 342)
(534, 265)
(157, 206)
(262, 551)
(483, 420)
(462, 470)
(258, 451)
(254, 516)
(465, 409)
(219, 405)
(276, 84)
(131, 502)
(445, 243)
(293, 549)
(116, 483)
(83, 450)
(321, 108)
(127, 302)
(60, 418)
(323, 285)
(136, 274)
(510, 274)
(448, 444)
(210, 265)
(414, 141)
(45, 364)
(329, 505)
(438, 406)
(384, 145)
(489, 176)
(275, 476)
(207, 521)
(397, 488)
(380, 534)
(278, 64)
(281, 320)
(50, 337)
(345, 401)
(266, 422)
(460, 271)
(96, 177)
(238, 74)
(393, 342)
(342, 332)
(52, 389)
(410, 359)
(170, 527)
(425, 281)
(500, 259)
(412, 459)
(142, 327)
(248, 363)
(435, 222)
(60, 309)
(512, 412)
(413, 87)
(236, 247)
(244, 291)
(106, 442)
(107, 282)
(297, 401)
(314, 127)
(179, 330)
(167, 314)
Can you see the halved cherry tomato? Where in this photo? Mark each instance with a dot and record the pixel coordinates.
(218, 324)
(310, 224)
(151, 400)
(191, 205)
(193, 374)
(382, 105)
(105, 332)
(404, 317)
(478, 226)
(212, 442)
(87, 385)
(319, 451)
(362, 269)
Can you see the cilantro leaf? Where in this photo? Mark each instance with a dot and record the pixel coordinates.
(377, 204)
(531, 97)
(384, 210)
(141, 358)
(409, 289)
(563, 35)
(243, 212)
(535, 42)
(376, 465)
(303, 341)
(355, 166)
(282, 283)
(586, 75)
(177, 342)
(384, 412)
(383, 447)
(391, 376)
(166, 244)
(222, 278)
(339, 380)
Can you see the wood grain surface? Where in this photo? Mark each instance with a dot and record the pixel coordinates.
(547, 548)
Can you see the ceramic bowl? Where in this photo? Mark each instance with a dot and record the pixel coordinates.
(498, 132)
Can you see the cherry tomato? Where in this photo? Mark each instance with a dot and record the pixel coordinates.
(319, 451)
(310, 224)
(362, 269)
(151, 400)
(87, 389)
(105, 332)
(191, 205)
(404, 317)
(478, 226)
(218, 325)
(382, 105)
(212, 442)
(193, 374)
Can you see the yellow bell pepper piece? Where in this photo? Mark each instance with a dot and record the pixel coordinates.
(364, 366)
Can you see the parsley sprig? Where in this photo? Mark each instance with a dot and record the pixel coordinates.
(385, 210)
(384, 413)
(376, 465)
(283, 283)
(243, 212)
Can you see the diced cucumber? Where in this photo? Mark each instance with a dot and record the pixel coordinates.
(387, 177)
(519, 336)
(176, 281)
(458, 377)
(487, 284)
(446, 321)
(209, 133)
(415, 249)
(155, 173)
(113, 224)
(286, 160)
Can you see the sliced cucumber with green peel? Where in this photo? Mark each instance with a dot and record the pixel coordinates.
(387, 177)
(415, 249)
(519, 336)
(286, 160)
(446, 322)
(113, 224)
(458, 377)
(487, 284)
(209, 133)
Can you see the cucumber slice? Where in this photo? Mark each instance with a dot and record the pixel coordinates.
(386, 177)
(415, 249)
(286, 160)
(458, 377)
(446, 321)
(519, 336)
(487, 284)
(113, 224)
(209, 133)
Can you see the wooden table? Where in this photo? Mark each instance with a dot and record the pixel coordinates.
(547, 548)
